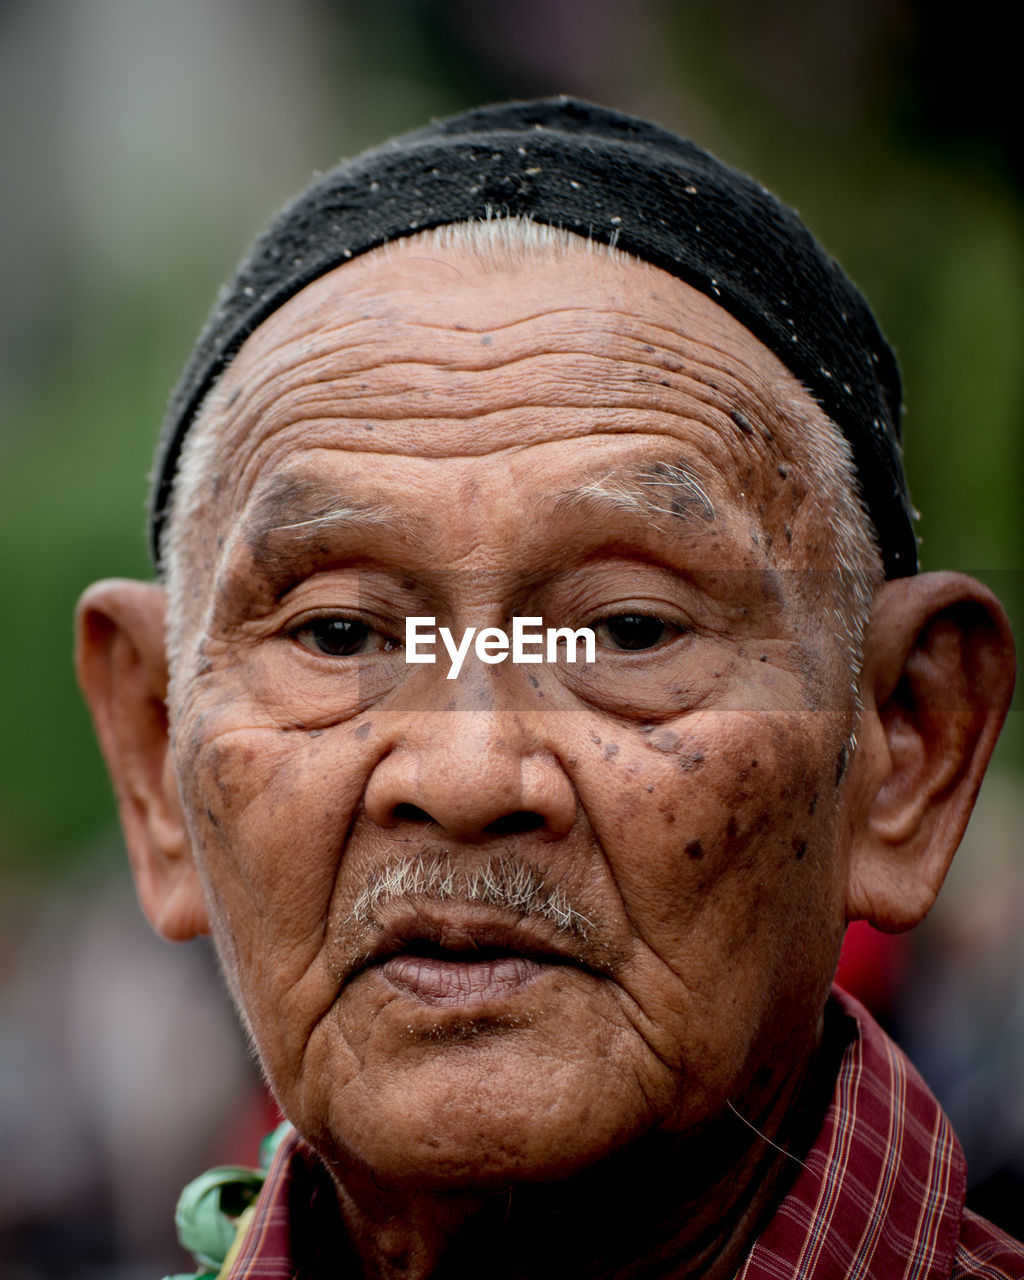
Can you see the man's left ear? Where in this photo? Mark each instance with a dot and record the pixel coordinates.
(938, 676)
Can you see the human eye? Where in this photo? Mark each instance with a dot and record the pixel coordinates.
(339, 636)
(634, 632)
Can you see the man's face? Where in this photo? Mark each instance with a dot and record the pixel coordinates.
(495, 927)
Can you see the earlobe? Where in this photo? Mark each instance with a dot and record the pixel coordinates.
(938, 675)
(121, 663)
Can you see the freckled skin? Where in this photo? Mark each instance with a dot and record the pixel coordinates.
(686, 794)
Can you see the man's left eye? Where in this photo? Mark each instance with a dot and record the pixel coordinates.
(634, 632)
(340, 637)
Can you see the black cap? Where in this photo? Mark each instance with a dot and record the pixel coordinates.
(615, 179)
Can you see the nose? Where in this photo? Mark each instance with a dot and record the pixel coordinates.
(471, 776)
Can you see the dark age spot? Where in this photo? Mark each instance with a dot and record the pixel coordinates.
(841, 763)
(741, 421)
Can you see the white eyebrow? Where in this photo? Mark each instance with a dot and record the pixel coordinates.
(342, 515)
(307, 508)
(654, 490)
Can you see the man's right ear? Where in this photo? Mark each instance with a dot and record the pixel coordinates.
(121, 660)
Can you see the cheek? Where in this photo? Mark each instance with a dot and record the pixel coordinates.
(713, 796)
(268, 812)
(720, 838)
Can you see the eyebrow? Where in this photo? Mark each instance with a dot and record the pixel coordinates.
(292, 514)
(662, 492)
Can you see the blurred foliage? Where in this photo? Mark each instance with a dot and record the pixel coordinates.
(889, 125)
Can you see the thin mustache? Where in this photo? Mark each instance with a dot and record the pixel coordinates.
(507, 883)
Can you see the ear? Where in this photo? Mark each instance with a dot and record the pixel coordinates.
(938, 675)
(121, 662)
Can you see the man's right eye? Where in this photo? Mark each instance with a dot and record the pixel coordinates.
(340, 637)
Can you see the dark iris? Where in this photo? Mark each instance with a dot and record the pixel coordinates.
(338, 637)
(635, 630)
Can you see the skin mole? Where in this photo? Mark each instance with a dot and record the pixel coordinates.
(741, 421)
(841, 763)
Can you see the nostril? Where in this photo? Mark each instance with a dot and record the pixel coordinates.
(411, 813)
(513, 824)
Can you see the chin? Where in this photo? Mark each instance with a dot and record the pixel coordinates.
(478, 1117)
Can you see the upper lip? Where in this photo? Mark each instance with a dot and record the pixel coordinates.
(461, 929)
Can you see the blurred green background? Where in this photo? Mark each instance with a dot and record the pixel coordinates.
(145, 141)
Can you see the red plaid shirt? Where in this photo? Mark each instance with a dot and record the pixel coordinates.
(880, 1195)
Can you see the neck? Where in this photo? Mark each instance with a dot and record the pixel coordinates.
(666, 1206)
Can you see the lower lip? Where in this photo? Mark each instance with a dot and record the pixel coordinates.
(447, 982)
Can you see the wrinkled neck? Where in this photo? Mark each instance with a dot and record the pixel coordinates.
(670, 1206)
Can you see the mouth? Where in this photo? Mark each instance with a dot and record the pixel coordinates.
(460, 978)
(455, 955)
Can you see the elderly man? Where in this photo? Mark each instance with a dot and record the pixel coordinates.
(537, 683)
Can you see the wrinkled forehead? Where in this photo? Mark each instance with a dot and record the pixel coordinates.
(471, 306)
(442, 348)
